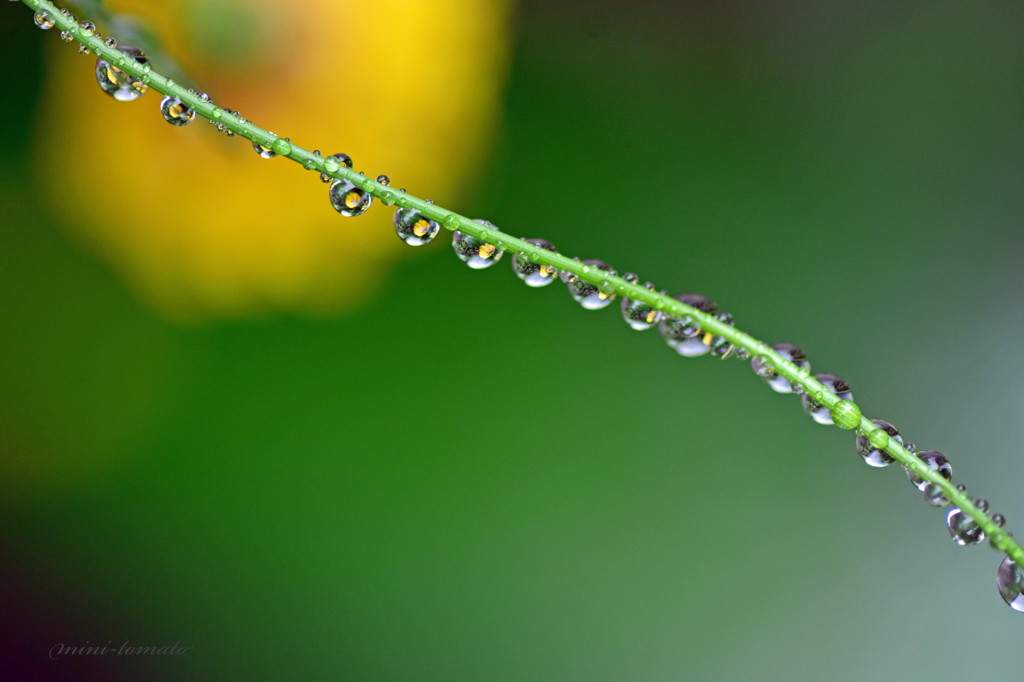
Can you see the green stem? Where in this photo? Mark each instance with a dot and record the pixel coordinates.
(607, 282)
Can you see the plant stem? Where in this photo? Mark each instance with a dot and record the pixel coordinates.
(607, 282)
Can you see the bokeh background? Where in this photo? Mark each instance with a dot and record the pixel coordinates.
(443, 475)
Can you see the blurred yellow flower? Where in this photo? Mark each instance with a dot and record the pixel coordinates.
(196, 222)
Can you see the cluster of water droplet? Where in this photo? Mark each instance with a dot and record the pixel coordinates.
(871, 444)
(684, 334)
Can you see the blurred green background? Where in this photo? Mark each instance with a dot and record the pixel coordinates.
(468, 480)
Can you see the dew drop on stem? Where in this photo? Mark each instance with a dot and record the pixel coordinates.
(117, 83)
(962, 528)
(832, 383)
(590, 295)
(638, 314)
(282, 146)
(414, 228)
(534, 274)
(683, 333)
(762, 366)
(43, 20)
(935, 461)
(870, 447)
(1010, 581)
(332, 163)
(175, 112)
(348, 199)
(474, 252)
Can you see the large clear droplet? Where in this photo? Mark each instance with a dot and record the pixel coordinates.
(763, 368)
(414, 228)
(474, 252)
(683, 334)
(963, 528)
(175, 112)
(935, 461)
(349, 200)
(1010, 581)
(117, 83)
(637, 314)
(589, 295)
(875, 456)
(43, 20)
(534, 274)
(833, 384)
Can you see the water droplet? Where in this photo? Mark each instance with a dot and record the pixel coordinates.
(568, 276)
(348, 199)
(935, 461)
(981, 503)
(590, 295)
(846, 414)
(963, 528)
(282, 146)
(387, 198)
(683, 334)
(332, 163)
(638, 314)
(309, 164)
(88, 28)
(870, 447)
(934, 496)
(833, 384)
(414, 228)
(205, 97)
(384, 180)
(175, 112)
(763, 367)
(999, 520)
(451, 221)
(474, 252)
(719, 345)
(43, 20)
(1010, 581)
(118, 84)
(534, 274)
(263, 151)
(111, 42)
(82, 49)
(66, 36)
(962, 488)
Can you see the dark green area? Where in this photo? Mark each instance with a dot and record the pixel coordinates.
(469, 480)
